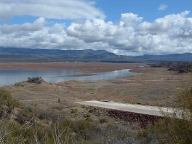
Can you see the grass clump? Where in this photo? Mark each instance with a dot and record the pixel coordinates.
(103, 120)
(174, 130)
(74, 110)
(7, 100)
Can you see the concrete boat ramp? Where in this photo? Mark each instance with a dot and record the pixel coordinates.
(134, 108)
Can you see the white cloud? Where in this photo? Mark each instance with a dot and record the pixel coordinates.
(163, 7)
(53, 9)
(132, 35)
(128, 19)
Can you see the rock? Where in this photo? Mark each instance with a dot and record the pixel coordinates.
(36, 80)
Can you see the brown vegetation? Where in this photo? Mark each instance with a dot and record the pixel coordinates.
(36, 80)
(29, 125)
(180, 67)
(173, 130)
(81, 66)
(152, 86)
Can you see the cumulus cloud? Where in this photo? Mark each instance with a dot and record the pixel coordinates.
(132, 35)
(163, 7)
(53, 9)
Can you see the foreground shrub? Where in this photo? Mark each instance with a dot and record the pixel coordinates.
(25, 125)
(174, 130)
(7, 100)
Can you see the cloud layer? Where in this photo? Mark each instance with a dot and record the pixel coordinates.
(132, 35)
(54, 9)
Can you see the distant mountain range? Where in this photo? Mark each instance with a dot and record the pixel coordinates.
(186, 57)
(28, 55)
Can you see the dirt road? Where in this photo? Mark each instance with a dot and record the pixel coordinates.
(134, 108)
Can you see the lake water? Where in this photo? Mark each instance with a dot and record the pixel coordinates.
(8, 77)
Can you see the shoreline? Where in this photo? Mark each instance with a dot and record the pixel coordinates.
(87, 67)
(155, 86)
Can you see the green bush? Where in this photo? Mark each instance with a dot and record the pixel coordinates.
(7, 100)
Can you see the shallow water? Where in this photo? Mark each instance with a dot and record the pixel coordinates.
(8, 77)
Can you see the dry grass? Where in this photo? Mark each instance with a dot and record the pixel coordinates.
(74, 126)
(173, 130)
(153, 86)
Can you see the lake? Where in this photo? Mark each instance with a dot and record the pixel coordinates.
(9, 77)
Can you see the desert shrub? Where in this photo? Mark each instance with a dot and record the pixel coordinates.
(59, 100)
(180, 67)
(26, 115)
(103, 120)
(62, 132)
(19, 84)
(74, 110)
(7, 100)
(36, 80)
(184, 100)
(174, 130)
(11, 132)
(6, 130)
(81, 126)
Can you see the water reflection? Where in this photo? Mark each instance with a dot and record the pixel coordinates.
(8, 77)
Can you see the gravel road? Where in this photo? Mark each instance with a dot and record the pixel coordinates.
(134, 108)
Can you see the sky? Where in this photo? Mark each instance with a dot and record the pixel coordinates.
(123, 27)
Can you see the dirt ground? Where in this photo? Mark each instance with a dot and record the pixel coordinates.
(149, 86)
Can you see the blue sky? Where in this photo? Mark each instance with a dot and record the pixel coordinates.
(128, 27)
(148, 9)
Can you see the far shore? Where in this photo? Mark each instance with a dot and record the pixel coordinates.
(82, 66)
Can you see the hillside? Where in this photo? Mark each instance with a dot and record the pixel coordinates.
(24, 54)
(38, 55)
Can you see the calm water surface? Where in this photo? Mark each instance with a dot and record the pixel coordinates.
(8, 77)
